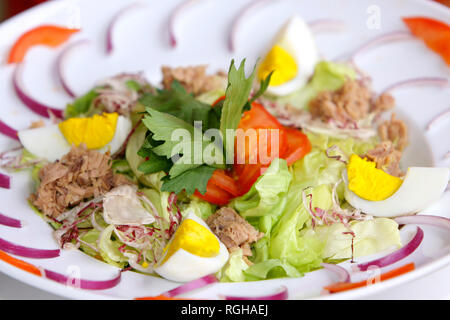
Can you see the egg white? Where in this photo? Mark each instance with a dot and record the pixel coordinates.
(297, 39)
(421, 187)
(184, 266)
(50, 144)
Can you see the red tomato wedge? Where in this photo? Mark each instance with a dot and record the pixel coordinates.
(248, 176)
(260, 137)
(225, 182)
(47, 35)
(344, 286)
(434, 33)
(214, 194)
(298, 145)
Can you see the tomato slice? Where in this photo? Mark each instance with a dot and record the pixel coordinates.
(225, 182)
(260, 145)
(48, 35)
(434, 33)
(248, 176)
(214, 194)
(298, 145)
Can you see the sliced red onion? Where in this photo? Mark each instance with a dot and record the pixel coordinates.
(176, 13)
(325, 25)
(281, 295)
(438, 118)
(341, 272)
(8, 131)
(190, 286)
(395, 256)
(382, 39)
(82, 283)
(61, 61)
(432, 81)
(5, 181)
(32, 104)
(436, 221)
(112, 25)
(240, 18)
(27, 252)
(10, 222)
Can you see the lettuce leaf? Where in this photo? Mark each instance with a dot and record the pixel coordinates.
(327, 76)
(371, 236)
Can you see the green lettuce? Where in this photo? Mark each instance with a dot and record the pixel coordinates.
(327, 76)
(109, 248)
(371, 236)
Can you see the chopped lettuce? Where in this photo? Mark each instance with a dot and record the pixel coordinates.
(327, 76)
(371, 236)
(274, 206)
(233, 271)
(109, 248)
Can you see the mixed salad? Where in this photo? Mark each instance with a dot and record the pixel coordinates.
(290, 168)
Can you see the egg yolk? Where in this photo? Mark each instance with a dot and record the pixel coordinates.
(194, 238)
(368, 182)
(282, 63)
(96, 131)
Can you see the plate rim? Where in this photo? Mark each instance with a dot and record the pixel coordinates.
(68, 292)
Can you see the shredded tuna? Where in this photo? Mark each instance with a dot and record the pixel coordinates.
(383, 102)
(193, 78)
(386, 157)
(394, 130)
(82, 174)
(352, 102)
(233, 230)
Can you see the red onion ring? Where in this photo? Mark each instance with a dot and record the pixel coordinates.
(192, 285)
(438, 118)
(397, 255)
(8, 131)
(324, 25)
(281, 295)
(382, 39)
(83, 284)
(27, 252)
(32, 104)
(10, 222)
(435, 81)
(174, 17)
(241, 17)
(5, 181)
(341, 272)
(436, 221)
(60, 62)
(112, 25)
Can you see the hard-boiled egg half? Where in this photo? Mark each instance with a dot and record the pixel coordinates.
(292, 58)
(105, 132)
(377, 193)
(193, 252)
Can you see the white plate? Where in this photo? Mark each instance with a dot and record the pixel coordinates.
(142, 45)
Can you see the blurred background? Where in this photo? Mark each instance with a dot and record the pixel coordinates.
(9, 8)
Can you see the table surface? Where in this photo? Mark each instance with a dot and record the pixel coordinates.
(435, 286)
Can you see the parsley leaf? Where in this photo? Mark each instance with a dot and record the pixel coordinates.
(236, 98)
(154, 163)
(179, 140)
(191, 180)
(178, 103)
